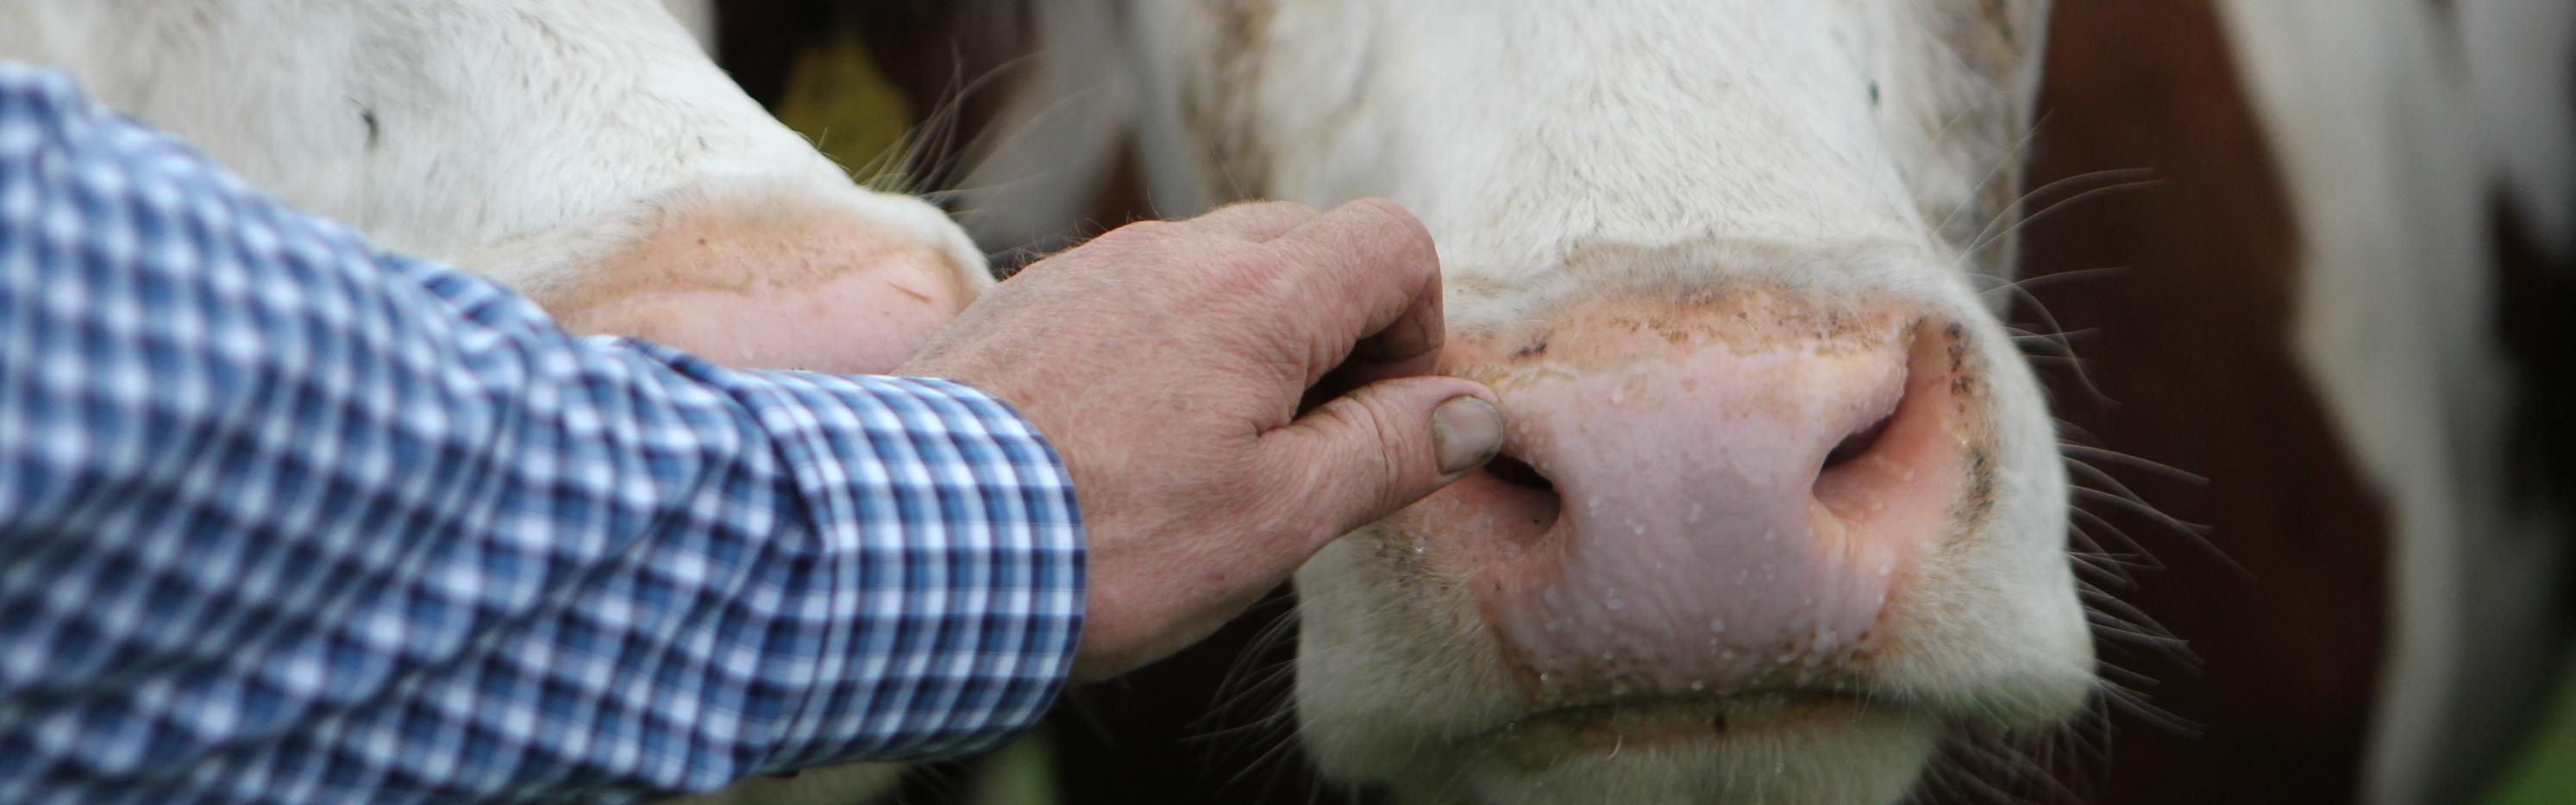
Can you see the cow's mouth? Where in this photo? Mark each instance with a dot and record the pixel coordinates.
(1648, 723)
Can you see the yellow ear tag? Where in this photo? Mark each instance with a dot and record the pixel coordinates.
(836, 97)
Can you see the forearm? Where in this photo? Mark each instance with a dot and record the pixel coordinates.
(281, 517)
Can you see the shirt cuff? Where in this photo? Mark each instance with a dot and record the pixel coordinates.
(957, 564)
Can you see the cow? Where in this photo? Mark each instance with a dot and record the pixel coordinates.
(2452, 128)
(2372, 611)
(1781, 508)
(2364, 208)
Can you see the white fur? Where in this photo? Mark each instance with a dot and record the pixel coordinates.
(527, 140)
(1710, 141)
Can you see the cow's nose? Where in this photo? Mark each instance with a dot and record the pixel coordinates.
(1721, 498)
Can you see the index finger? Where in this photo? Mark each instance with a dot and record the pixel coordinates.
(1373, 291)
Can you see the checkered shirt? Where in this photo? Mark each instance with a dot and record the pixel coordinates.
(286, 518)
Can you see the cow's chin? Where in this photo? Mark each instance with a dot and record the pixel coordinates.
(1750, 747)
(1413, 700)
(1758, 748)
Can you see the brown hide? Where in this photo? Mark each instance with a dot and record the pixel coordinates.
(2189, 343)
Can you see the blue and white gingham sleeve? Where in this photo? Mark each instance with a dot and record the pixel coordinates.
(283, 518)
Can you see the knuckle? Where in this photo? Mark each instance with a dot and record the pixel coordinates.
(1378, 442)
(1251, 273)
(1380, 206)
(1138, 234)
(1299, 208)
(1398, 225)
(1392, 448)
(1387, 215)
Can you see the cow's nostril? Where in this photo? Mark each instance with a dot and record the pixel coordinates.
(1518, 473)
(1858, 443)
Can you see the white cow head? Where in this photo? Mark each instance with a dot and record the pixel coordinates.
(585, 151)
(1781, 504)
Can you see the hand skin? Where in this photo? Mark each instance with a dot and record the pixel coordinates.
(1166, 361)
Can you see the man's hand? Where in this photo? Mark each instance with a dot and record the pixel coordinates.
(1166, 361)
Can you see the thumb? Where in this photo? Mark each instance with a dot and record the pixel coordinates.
(1379, 448)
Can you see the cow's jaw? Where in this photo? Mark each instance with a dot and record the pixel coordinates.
(583, 151)
(1659, 221)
